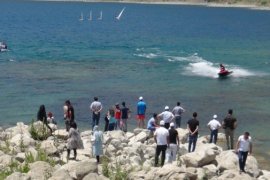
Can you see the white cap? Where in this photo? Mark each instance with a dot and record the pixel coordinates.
(162, 123)
(166, 108)
(172, 124)
(141, 98)
(215, 116)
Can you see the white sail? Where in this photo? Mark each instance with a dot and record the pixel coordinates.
(100, 17)
(81, 18)
(90, 16)
(120, 14)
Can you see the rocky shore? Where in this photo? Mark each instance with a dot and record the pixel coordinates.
(30, 153)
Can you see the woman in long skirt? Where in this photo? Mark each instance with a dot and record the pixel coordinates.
(74, 140)
(97, 143)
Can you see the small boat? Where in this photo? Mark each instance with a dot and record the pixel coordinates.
(3, 47)
(120, 14)
(81, 18)
(224, 73)
(100, 17)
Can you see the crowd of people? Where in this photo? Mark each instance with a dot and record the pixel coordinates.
(162, 127)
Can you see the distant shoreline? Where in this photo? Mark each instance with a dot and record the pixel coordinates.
(206, 4)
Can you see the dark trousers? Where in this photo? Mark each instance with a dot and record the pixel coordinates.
(213, 136)
(68, 153)
(192, 141)
(160, 149)
(242, 156)
(95, 119)
(111, 127)
(178, 121)
(106, 127)
(167, 125)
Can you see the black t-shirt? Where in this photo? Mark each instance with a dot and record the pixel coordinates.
(193, 123)
(172, 135)
(125, 111)
(229, 122)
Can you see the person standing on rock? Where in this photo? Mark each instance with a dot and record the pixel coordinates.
(174, 144)
(97, 143)
(125, 112)
(95, 108)
(117, 116)
(42, 116)
(193, 128)
(70, 117)
(74, 140)
(166, 116)
(214, 125)
(141, 109)
(243, 147)
(177, 112)
(229, 124)
(112, 120)
(161, 137)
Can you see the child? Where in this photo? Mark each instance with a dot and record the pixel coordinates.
(50, 118)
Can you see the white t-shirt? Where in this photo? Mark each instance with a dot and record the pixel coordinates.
(96, 106)
(162, 134)
(244, 144)
(214, 124)
(166, 116)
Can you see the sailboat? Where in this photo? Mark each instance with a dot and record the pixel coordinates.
(90, 16)
(120, 14)
(100, 17)
(81, 18)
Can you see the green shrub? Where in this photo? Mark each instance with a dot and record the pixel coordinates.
(39, 134)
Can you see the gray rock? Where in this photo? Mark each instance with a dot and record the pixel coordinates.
(234, 175)
(61, 134)
(22, 140)
(227, 160)
(61, 174)
(40, 170)
(18, 176)
(210, 170)
(49, 147)
(94, 176)
(5, 160)
(265, 175)
(183, 135)
(20, 157)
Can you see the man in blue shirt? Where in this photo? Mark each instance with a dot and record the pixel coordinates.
(141, 108)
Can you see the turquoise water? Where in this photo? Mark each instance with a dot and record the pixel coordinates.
(165, 53)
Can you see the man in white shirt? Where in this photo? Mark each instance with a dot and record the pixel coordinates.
(177, 112)
(161, 137)
(243, 147)
(214, 125)
(96, 108)
(166, 116)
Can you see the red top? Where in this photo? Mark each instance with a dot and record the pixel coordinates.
(117, 114)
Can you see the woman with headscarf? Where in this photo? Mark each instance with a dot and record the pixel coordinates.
(97, 143)
(74, 140)
(42, 116)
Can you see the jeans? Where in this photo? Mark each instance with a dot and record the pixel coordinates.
(95, 120)
(213, 136)
(171, 153)
(242, 156)
(160, 149)
(192, 140)
(229, 133)
(178, 121)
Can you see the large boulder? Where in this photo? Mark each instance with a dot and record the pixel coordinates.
(204, 155)
(234, 175)
(78, 170)
(94, 176)
(183, 135)
(5, 159)
(120, 135)
(61, 134)
(265, 175)
(40, 170)
(22, 140)
(227, 160)
(18, 176)
(210, 170)
(61, 174)
(20, 128)
(49, 147)
(252, 166)
(141, 137)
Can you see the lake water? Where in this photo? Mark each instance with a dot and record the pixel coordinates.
(165, 53)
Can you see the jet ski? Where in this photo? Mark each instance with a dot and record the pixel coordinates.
(224, 73)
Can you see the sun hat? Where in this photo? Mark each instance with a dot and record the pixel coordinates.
(215, 116)
(162, 123)
(166, 108)
(141, 98)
